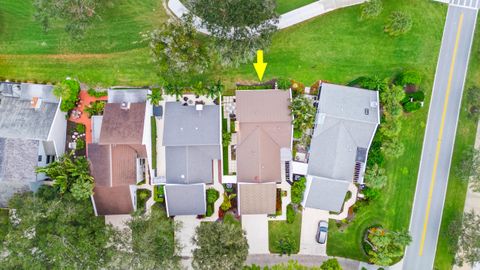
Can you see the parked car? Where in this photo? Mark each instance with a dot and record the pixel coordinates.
(322, 232)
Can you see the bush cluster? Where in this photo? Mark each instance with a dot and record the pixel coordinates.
(298, 88)
(297, 190)
(283, 83)
(68, 91)
(290, 214)
(80, 144)
(80, 128)
(92, 92)
(413, 101)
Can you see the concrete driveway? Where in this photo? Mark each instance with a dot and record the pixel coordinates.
(186, 233)
(256, 227)
(308, 244)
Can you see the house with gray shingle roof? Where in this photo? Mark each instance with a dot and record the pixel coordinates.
(192, 142)
(345, 125)
(32, 134)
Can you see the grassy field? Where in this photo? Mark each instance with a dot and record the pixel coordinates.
(279, 229)
(456, 192)
(284, 6)
(3, 224)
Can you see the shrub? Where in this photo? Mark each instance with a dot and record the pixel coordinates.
(410, 77)
(80, 128)
(212, 195)
(298, 88)
(290, 214)
(314, 88)
(398, 23)
(159, 193)
(227, 201)
(283, 83)
(80, 144)
(92, 92)
(331, 264)
(226, 138)
(286, 245)
(209, 210)
(95, 108)
(68, 91)
(229, 218)
(371, 9)
(297, 190)
(412, 106)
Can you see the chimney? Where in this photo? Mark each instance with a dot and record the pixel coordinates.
(36, 103)
(199, 107)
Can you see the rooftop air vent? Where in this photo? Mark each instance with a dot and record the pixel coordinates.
(36, 103)
(199, 107)
(373, 104)
(125, 106)
(367, 111)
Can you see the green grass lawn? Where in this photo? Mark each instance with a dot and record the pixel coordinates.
(456, 192)
(278, 229)
(3, 224)
(284, 6)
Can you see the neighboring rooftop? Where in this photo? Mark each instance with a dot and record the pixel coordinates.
(326, 194)
(19, 118)
(265, 129)
(18, 160)
(192, 141)
(185, 199)
(123, 123)
(257, 198)
(127, 95)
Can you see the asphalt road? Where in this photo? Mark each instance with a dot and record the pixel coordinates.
(440, 137)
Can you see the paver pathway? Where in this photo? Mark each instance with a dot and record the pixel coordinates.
(288, 19)
(86, 99)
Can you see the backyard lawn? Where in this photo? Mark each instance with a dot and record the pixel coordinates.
(284, 6)
(279, 229)
(3, 224)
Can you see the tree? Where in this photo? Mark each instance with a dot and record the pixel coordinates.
(68, 91)
(219, 246)
(373, 83)
(155, 96)
(398, 23)
(52, 232)
(375, 177)
(239, 27)
(466, 233)
(371, 9)
(182, 58)
(469, 168)
(303, 113)
(76, 14)
(391, 98)
(286, 244)
(393, 148)
(410, 77)
(214, 90)
(330, 264)
(70, 175)
(152, 243)
(387, 246)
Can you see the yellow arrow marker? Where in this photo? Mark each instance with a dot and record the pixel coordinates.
(260, 66)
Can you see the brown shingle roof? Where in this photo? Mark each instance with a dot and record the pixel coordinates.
(99, 157)
(113, 200)
(257, 198)
(265, 128)
(123, 126)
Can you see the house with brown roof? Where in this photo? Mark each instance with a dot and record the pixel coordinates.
(121, 153)
(264, 143)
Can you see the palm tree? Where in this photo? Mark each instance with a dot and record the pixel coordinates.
(155, 96)
(215, 90)
(174, 90)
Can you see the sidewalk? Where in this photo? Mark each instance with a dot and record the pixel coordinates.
(288, 19)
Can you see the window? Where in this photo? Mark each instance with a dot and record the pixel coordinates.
(39, 158)
(48, 159)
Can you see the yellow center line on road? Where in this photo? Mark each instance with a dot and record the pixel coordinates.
(440, 135)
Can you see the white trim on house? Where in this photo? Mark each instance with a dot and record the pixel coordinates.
(94, 205)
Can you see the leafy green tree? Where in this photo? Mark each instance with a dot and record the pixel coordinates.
(182, 58)
(174, 90)
(297, 190)
(76, 14)
(151, 243)
(373, 83)
(330, 264)
(391, 126)
(375, 177)
(391, 98)
(303, 113)
(155, 96)
(410, 77)
(52, 232)
(469, 168)
(219, 246)
(68, 91)
(398, 23)
(95, 108)
(290, 213)
(371, 9)
(387, 246)
(286, 245)
(214, 90)
(70, 175)
(239, 27)
(466, 232)
(393, 148)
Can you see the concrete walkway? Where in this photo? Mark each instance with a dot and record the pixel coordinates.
(288, 19)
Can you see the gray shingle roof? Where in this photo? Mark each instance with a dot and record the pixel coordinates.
(191, 164)
(19, 120)
(185, 199)
(18, 160)
(184, 125)
(326, 194)
(345, 124)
